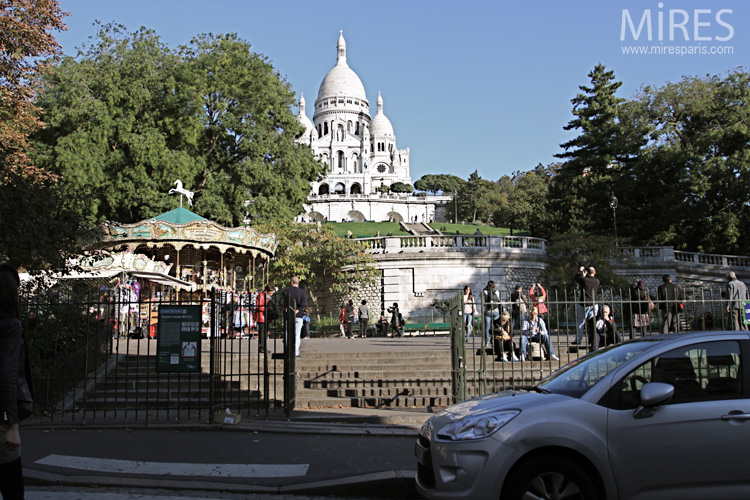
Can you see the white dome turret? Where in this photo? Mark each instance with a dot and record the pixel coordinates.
(381, 125)
(341, 80)
(302, 117)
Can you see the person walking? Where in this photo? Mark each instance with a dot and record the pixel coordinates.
(293, 294)
(13, 368)
(395, 319)
(736, 297)
(669, 296)
(349, 318)
(470, 309)
(265, 313)
(364, 318)
(587, 306)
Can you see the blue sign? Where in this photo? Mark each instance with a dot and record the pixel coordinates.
(747, 313)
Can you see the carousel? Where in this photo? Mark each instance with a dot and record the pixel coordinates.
(176, 256)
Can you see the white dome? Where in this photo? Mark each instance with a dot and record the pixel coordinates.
(302, 116)
(380, 125)
(341, 80)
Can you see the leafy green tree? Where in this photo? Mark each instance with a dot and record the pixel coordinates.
(445, 183)
(477, 199)
(401, 187)
(526, 204)
(326, 263)
(595, 158)
(567, 252)
(129, 116)
(691, 184)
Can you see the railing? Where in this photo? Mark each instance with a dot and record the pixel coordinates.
(457, 243)
(484, 371)
(737, 261)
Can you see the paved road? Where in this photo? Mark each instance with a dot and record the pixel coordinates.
(98, 493)
(238, 461)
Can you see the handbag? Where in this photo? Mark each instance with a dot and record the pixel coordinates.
(24, 400)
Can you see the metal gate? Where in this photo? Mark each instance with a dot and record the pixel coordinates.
(94, 360)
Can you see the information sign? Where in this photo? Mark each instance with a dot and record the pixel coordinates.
(178, 347)
(747, 312)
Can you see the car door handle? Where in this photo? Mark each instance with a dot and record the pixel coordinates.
(736, 415)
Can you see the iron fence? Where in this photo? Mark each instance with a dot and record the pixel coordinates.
(93, 354)
(572, 334)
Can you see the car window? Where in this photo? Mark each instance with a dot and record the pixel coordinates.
(577, 377)
(701, 372)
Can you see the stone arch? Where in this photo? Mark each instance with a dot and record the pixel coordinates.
(395, 216)
(339, 188)
(324, 189)
(316, 216)
(355, 188)
(356, 216)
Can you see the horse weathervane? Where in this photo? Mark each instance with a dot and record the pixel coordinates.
(182, 191)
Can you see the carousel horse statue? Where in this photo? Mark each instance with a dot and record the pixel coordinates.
(182, 191)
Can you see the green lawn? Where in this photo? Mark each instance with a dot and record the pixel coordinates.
(368, 229)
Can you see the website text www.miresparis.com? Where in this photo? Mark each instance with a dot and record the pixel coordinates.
(677, 32)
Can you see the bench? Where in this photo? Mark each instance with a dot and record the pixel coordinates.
(446, 327)
(414, 327)
(326, 331)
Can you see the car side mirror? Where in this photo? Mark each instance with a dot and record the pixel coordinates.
(652, 395)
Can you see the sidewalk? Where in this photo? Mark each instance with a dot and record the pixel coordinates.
(351, 452)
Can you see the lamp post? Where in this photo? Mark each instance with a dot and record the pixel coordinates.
(455, 207)
(613, 205)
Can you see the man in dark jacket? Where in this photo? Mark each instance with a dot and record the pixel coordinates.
(295, 295)
(669, 296)
(587, 307)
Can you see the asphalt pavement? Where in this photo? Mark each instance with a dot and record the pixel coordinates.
(311, 455)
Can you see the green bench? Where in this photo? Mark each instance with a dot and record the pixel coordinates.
(414, 327)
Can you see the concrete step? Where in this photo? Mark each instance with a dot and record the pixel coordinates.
(359, 383)
(376, 402)
(365, 392)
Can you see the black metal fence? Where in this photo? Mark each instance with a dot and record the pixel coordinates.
(571, 333)
(93, 354)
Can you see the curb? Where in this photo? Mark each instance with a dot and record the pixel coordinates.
(389, 484)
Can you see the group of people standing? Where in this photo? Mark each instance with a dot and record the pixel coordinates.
(525, 316)
(349, 315)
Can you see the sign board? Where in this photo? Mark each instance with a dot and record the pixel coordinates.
(178, 347)
(746, 316)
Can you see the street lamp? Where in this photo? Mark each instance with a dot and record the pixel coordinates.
(455, 207)
(613, 205)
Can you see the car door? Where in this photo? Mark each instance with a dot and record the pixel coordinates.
(695, 445)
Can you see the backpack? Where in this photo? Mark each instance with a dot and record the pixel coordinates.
(271, 310)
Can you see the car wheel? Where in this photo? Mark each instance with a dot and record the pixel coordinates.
(549, 478)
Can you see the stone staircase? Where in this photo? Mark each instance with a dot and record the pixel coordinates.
(374, 380)
(420, 229)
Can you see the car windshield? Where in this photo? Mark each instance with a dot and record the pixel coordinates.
(577, 377)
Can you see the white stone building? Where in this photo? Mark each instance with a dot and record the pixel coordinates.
(361, 155)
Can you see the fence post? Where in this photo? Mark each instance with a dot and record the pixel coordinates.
(458, 348)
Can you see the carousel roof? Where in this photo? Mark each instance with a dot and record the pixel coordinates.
(180, 228)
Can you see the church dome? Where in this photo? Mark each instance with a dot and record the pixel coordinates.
(302, 116)
(341, 80)
(380, 125)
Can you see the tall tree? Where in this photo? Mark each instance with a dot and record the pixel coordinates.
(326, 263)
(595, 158)
(129, 116)
(26, 42)
(526, 205)
(477, 199)
(445, 183)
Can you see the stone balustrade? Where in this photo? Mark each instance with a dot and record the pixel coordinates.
(454, 243)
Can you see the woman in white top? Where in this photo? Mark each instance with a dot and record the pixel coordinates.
(470, 309)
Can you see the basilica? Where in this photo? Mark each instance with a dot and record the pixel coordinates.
(362, 156)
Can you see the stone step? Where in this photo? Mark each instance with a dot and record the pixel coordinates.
(376, 374)
(364, 392)
(376, 402)
(358, 383)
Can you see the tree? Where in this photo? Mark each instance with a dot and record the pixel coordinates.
(324, 262)
(526, 201)
(445, 183)
(129, 116)
(595, 158)
(400, 187)
(695, 171)
(477, 198)
(25, 40)
(566, 252)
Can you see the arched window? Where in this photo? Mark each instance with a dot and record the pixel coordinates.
(325, 128)
(323, 189)
(355, 189)
(355, 163)
(341, 162)
(339, 188)
(319, 131)
(349, 126)
(356, 128)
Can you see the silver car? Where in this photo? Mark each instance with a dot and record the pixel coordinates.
(658, 418)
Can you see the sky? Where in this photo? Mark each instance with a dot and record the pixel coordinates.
(470, 85)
